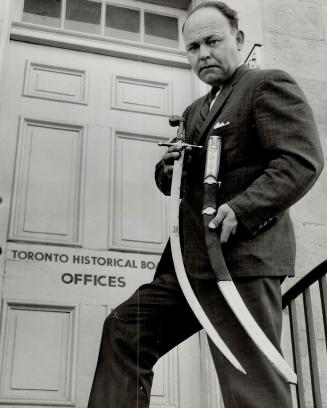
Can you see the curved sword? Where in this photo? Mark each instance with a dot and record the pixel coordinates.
(178, 259)
(224, 280)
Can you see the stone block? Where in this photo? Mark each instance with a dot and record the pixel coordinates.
(293, 18)
(311, 247)
(312, 209)
(309, 216)
(316, 92)
(301, 58)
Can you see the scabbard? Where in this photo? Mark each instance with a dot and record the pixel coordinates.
(211, 187)
(215, 254)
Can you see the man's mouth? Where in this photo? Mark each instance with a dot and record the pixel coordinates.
(207, 67)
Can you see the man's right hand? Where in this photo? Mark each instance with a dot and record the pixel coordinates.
(173, 153)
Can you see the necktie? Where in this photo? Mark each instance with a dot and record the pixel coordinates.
(206, 107)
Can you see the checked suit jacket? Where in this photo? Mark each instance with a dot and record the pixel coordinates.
(271, 157)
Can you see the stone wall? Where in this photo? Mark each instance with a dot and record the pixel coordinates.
(295, 40)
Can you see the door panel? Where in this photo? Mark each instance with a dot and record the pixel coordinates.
(47, 200)
(132, 211)
(39, 353)
(55, 83)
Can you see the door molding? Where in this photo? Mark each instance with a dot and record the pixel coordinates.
(93, 44)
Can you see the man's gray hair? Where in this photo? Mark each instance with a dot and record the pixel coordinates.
(229, 13)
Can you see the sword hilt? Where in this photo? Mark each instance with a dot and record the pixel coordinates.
(179, 121)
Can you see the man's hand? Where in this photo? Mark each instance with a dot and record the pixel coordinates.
(227, 219)
(173, 153)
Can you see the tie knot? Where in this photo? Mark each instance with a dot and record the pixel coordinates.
(213, 92)
(207, 102)
(206, 107)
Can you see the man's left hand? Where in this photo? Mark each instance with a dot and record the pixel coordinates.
(227, 219)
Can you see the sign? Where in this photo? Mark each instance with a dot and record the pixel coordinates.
(116, 260)
(92, 274)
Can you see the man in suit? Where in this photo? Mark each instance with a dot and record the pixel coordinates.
(271, 157)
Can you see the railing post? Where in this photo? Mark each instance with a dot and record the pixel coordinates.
(302, 287)
(315, 382)
(296, 353)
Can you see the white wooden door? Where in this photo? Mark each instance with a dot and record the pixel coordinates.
(82, 223)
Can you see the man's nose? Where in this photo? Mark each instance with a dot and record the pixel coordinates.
(204, 52)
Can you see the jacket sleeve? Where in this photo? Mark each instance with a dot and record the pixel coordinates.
(163, 182)
(289, 140)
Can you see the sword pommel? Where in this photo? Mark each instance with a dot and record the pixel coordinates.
(213, 160)
(179, 121)
(176, 120)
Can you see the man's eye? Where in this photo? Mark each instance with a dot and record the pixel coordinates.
(213, 42)
(191, 47)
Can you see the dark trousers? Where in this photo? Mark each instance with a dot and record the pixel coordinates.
(156, 318)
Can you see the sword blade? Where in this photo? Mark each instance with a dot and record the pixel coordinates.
(235, 302)
(180, 269)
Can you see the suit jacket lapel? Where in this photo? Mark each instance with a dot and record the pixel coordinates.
(221, 99)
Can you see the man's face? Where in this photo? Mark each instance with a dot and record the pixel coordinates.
(212, 46)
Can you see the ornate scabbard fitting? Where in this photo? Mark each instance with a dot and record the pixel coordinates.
(213, 160)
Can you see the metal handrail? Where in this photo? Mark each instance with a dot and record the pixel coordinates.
(302, 288)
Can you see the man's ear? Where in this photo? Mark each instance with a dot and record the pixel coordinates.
(240, 40)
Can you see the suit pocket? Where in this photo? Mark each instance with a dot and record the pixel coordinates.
(226, 131)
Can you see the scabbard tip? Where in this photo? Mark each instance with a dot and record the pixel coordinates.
(293, 379)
